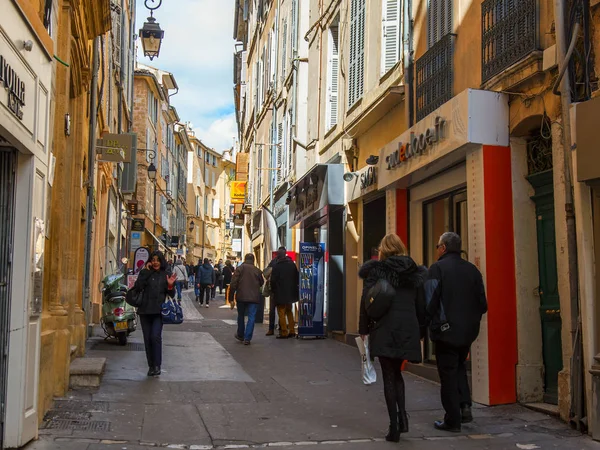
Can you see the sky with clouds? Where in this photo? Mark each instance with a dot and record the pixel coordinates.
(198, 50)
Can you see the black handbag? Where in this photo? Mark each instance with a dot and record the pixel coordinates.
(134, 297)
(379, 298)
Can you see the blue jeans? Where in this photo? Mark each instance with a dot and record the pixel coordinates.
(152, 326)
(191, 280)
(179, 287)
(249, 309)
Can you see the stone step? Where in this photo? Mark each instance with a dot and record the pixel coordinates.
(86, 372)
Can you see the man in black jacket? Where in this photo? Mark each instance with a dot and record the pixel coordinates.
(284, 287)
(455, 303)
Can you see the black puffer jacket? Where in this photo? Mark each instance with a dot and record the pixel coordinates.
(155, 287)
(285, 281)
(397, 334)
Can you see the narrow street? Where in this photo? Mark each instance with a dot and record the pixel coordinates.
(216, 393)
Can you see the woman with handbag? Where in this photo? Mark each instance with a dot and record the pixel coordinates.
(392, 314)
(154, 284)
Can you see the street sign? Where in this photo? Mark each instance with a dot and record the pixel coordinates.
(114, 147)
(136, 240)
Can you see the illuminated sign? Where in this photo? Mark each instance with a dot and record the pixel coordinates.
(238, 192)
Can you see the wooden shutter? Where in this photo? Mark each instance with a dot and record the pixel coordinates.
(352, 57)
(390, 39)
(279, 152)
(294, 36)
(333, 84)
(356, 71)
(360, 72)
(439, 20)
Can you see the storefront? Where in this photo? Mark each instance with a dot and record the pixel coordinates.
(317, 211)
(25, 84)
(454, 170)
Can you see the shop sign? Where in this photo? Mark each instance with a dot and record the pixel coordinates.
(136, 240)
(15, 87)
(473, 117)
(115, 147)
(142, 255)
(137, 225)
(279, 210)
(365, 183)
(417, 144)
(368, 178)
(238, 192)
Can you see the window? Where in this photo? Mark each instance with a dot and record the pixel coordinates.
(356, 70)
(333, 69)
(197, 205)
(198, 177)
(205, 204)
(390, 35)
(148, 143)
(215, 209)
(280, 152)
(206, 180)
(152, 107)
(439, 20)
(47, 16)
(284, 41)
(199, 151)
(214, 161)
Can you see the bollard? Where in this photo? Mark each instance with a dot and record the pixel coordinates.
(595, 413)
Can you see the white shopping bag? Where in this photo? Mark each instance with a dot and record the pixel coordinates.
(369, 376)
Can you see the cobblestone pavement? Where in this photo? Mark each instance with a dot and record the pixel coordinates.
(216, 393)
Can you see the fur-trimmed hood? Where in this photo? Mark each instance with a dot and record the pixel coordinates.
(399, 271)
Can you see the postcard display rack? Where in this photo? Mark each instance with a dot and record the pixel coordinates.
(312, 290)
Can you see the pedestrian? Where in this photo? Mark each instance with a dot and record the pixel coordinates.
(205, 280)
(284, 287)
(190, 272)
(272, 307)
(455, 303)
(213, 291)
(245, 290)
(227, 275)
(220, 282)
(156, 285)
(181, 273)
(392, 314)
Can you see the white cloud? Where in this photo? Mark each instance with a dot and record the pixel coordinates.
(198, 50)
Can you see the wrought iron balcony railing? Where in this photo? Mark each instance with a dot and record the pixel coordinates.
(434, 76)
(509, 30)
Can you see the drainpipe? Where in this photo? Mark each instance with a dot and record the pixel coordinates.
(86, 300)
(577, 406)
(120, 130)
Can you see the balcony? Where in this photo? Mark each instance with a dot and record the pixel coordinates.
(434, 76)
(509, 34)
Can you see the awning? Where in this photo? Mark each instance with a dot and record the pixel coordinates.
(161, 245)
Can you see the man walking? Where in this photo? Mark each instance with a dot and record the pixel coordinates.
(245, 289)
(205, 280)
(219, 269)
(284, 286)
(455, 303)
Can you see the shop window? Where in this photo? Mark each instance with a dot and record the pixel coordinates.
(447, 213)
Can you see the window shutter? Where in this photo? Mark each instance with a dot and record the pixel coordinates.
(284, 50)
(273, 65)
(116, 34)
(390, 39)
(352, 58)
(294, 37)
(334, 64)
(360, 72)
(439, 20)
(279, 153)
(357, 51)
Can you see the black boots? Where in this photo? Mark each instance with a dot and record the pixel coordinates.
(154, 371)
(466, 414)
(403, 422)
(393, 432)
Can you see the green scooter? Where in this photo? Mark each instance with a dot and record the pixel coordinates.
(118, 318)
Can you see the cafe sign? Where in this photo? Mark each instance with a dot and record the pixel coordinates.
(14, 86)
(115, 147)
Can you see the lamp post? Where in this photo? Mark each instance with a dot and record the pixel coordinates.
(151, 34)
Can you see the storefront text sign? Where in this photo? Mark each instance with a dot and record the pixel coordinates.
(364, 183)
(238, 192)
(472, 117)
(14, 86)
(115, 147)
(417, 144)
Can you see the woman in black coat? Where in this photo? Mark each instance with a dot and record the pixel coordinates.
(392, 314)
(156, 284)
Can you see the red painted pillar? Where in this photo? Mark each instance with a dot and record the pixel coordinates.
(491, 248)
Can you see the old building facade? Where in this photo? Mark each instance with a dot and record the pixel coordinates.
(432, 112)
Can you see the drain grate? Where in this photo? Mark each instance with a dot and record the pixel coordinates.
(79, 406)
(112, 346)
(76, 425)
(67, 415)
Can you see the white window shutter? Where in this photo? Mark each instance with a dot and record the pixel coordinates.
(273, 68)
(390, 38)
(284, 49)
(357, 51)
(333, 77)
(294, 37)
(279, 153)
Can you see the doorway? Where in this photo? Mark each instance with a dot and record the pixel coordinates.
(7, 209)
(374, 227)
(441, 215)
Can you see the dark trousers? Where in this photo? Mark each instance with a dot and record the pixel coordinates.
(204, 291)
(272, 308)
(213, 291)
(221, 285)
(455, 391)
(152, 329)
(393, 388)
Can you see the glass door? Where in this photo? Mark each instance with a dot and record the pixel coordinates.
(440, 215)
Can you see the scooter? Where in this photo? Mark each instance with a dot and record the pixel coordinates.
(118, 318)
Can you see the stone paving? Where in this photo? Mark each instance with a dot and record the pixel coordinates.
(291, 394)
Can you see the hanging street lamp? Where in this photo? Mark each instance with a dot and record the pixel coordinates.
(152, 172)
(151, 33)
